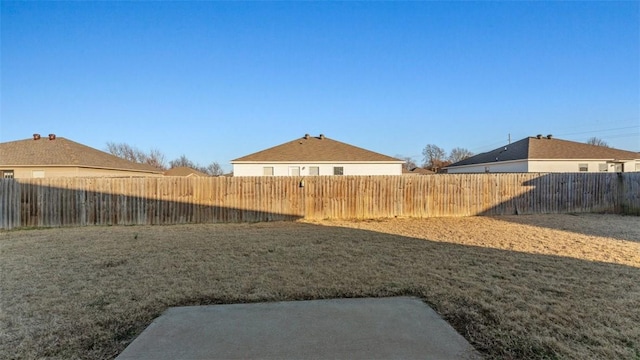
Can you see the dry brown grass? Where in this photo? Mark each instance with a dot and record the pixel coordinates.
(516, 287)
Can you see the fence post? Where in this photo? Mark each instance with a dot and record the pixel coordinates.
(620, 201)
(629, 193)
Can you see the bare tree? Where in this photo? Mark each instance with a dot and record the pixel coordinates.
(156, 159)
(183, 161)
(434, 157)
(459, 154)
(409, 162)
(597, 141)
(214, 169)
(125, 151)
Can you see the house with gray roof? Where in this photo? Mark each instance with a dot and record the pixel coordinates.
(547, 154)
(53, 156)
(312, 156)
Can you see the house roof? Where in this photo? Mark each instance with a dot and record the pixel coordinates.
(63, 152)
(184, 171)
(417, 171)
(544, 148)
(321, 148)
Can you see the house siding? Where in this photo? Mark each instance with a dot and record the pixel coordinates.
(282, 169)
(543, 166)
(497, 167)
(573, 165)
(60, 171)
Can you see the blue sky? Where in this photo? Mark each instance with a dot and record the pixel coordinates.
(219, 80)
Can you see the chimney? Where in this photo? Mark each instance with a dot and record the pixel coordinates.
(52, 136)
(539, 136)
(306, 136)
(321, 136)
(549, 136)
(36, 136)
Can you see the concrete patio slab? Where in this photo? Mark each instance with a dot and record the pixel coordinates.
(371, 328)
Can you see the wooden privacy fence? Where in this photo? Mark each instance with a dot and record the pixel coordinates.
(177, 200)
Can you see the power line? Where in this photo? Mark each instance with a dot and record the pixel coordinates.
(623, 135)
(491, 146)
(612, 136)
(596, 123)
(615, 136)
(603, 130)
(604, 136)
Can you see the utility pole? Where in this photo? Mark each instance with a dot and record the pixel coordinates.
(509, 138)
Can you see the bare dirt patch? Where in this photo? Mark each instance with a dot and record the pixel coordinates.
(585, 236)
(557, 286)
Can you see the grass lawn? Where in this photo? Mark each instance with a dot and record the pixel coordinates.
(527, 287)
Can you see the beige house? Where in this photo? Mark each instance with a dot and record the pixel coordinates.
(184, 171)
(417, 171)
(59, 157)
(312, 156)
(547, 154)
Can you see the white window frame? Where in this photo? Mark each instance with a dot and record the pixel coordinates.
(267, 171)
(338, 170)
(311, 170)
(582, 166)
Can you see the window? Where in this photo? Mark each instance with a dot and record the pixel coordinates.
(6, 174)
(583, 167)
(314, 170)
(37, 173)
(603, 167)
(267, 171)
(338, 170)
(486, 169)
(294, 170)
(637, 166)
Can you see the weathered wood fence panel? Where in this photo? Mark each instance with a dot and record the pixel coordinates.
(178, 200)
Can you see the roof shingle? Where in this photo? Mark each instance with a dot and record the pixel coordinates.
(184, 171)
(63, 152)
(544, 148)
(309, 148)
(417, 171)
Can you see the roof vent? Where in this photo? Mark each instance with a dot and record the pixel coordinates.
(321, 136)
(52, 136)
(36, 136)
(306, 136)
(539, 136)
(549, 136)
